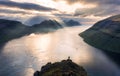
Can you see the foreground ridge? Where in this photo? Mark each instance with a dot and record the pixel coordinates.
(63, 68)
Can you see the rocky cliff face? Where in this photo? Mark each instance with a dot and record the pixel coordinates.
(63, 68)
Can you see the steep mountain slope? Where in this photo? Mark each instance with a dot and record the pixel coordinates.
(11, 29)
(105, 35)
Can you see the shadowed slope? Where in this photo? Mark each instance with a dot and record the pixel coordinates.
(105, 35)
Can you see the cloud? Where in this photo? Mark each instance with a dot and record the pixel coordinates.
(4, 0)
(92, 1)
(70, 1)
(26, 6)
(116, 2)
(102, 11)
(12, 11)
(102, 7)
(36, 20)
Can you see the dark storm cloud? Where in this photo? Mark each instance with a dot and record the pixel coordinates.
(12, 12)
(27, 6)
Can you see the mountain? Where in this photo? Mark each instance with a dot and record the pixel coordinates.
(63, 68)
(10, 29)
(72, 23)
(47, 26)
(105, 35)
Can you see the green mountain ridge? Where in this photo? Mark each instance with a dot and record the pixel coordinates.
(14, 29)
(105, 35)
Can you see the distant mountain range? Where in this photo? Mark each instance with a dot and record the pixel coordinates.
(13, 29)
(105, 35)
(10, 29)
(72, 23)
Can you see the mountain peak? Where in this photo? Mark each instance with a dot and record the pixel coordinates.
(49, 24)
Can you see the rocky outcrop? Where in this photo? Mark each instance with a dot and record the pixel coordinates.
(63, 68)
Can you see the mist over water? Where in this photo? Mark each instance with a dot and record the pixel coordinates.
(23, 56)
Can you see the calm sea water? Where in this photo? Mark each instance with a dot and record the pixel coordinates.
(23, 56)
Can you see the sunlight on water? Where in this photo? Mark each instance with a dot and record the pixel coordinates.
(23, 56)
(39, 42)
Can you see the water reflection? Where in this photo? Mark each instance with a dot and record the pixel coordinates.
(23, 56)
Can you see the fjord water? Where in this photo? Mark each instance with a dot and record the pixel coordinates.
(23, 56)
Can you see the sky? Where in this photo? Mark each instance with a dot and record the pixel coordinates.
(30, 12)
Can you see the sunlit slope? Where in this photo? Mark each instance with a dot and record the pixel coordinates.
(105, 34)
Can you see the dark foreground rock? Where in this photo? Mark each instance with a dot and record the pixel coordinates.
(63, 68)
